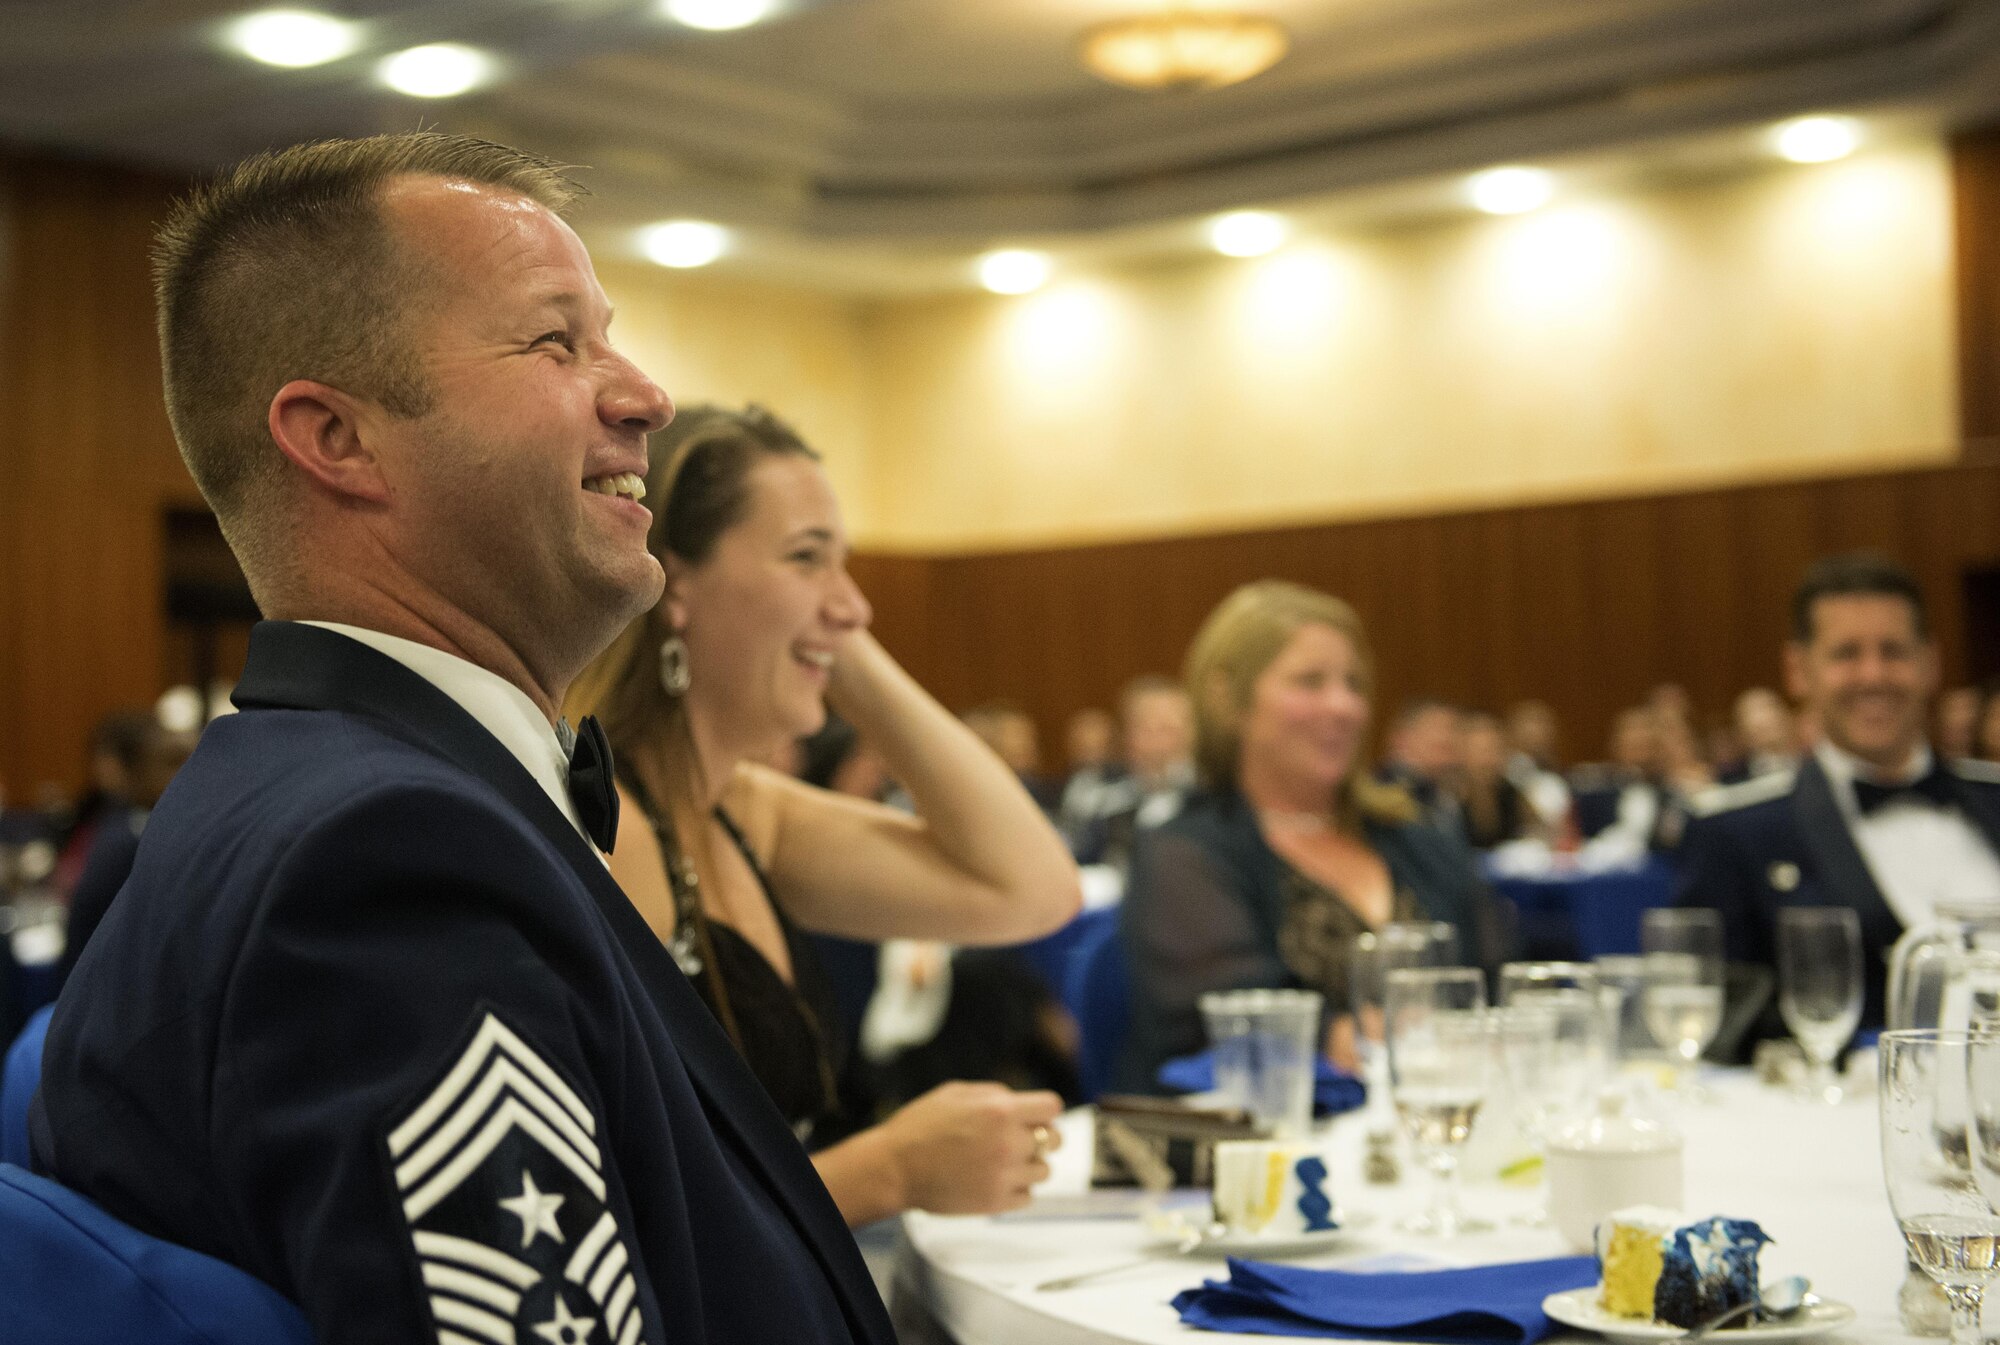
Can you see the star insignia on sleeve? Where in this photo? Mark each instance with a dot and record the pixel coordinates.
(490, 1162)
(536, 1210)
(565, 1328)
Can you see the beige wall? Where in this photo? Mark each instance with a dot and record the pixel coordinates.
(1795, 322)
(706, 339)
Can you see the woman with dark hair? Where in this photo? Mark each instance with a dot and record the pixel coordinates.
(731, 862)
(1290, 851)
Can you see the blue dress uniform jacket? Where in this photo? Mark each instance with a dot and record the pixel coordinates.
(372, 1021)
(1782, 840)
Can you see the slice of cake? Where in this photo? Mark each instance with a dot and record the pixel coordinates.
(1272, 1189)
(1656, 1265)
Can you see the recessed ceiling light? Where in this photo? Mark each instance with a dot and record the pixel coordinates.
(717, 16)
(440, 70)
(684, 243)
(1817, 139)
(1247, 233)
(1014, 271)
(293, 37)
(1510, 191)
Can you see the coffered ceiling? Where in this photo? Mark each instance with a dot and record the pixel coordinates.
(857, 128)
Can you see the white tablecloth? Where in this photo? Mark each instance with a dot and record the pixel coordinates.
(1811, 1175)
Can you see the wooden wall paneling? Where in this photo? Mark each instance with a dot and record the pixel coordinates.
(87, 463)
(1699, 597)
(1586, 605)
(1975, 160)
(86, 620)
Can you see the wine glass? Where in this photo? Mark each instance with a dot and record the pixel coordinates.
(1947, 1219)
(1819, 986)
(1440, 1065)
(1682, 947)
(1402, 943)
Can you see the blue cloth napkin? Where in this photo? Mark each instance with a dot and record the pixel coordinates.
(1333, 1090)
(1480, 1305)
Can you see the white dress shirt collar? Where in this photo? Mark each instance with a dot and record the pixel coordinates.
(501, 708)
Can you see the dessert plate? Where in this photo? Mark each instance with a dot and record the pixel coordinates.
(1580, 1308)
(1172, 1231)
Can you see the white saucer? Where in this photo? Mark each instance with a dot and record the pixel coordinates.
(1580, 1308)
(1259, 1246)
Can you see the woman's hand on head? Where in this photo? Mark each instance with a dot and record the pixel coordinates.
(972, 1148)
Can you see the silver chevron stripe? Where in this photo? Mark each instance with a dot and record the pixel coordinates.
(599, 1265)
(498, 1085)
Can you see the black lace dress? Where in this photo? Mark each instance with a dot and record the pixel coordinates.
(788, 1033)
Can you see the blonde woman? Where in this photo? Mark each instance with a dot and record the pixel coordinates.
(730, 861)
(1289, 851)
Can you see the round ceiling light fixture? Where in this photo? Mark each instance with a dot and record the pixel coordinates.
(1247, 233)
(1510, 191)
(439, 70)
(293, 38)
(1014, 271)
(684, 243)
(1183, 48)
(1817, 139)
(717, 16)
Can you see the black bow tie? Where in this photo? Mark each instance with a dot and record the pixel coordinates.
(1933, 788)
(593, 788)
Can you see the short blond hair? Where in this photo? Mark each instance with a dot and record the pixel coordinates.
(1241, 638)
(284, 268)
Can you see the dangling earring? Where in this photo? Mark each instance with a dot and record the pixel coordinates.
(674, 665)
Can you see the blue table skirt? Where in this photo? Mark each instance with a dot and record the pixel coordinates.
(1586, 915)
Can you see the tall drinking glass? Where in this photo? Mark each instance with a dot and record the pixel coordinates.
(1440, 1065)
(1947, 1220)
(1401, 943)
(1683, 989)
(1819, 986)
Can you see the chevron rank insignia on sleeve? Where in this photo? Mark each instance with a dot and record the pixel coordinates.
(502, 1185)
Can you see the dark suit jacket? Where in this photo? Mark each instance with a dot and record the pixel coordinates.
(1777, 841)
(372, 1022)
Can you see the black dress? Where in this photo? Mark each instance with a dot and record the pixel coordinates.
(787, 1032)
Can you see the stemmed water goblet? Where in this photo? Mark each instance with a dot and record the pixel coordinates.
(1683, 986)
(1819, 986)
(1554, 1045)
(1440, 1066)
(1402, 943)
(1934, 1085)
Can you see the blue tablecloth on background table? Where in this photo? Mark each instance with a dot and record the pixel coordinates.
(1586, 915)
(1479, 1305)
(1051, 954)
(1333, 1090)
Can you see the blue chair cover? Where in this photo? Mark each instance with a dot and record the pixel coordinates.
(73, 1275)
(1097, 991)
(18, 1078)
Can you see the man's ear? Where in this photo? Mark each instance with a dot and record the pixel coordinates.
(321, 429)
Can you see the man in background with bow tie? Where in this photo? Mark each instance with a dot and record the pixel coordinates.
(1871, 819)
(370, 1020)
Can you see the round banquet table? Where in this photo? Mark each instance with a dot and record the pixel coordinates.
(1811, 1175)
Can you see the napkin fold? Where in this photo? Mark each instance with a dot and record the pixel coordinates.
(1478, 1305)
(1333, 1090)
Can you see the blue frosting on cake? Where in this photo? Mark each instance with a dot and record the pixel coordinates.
(1707, 1267)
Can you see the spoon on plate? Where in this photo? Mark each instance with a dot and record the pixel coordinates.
(1777, 1301)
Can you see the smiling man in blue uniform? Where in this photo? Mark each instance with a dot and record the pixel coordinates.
(1872, 818)
(371, 1020)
